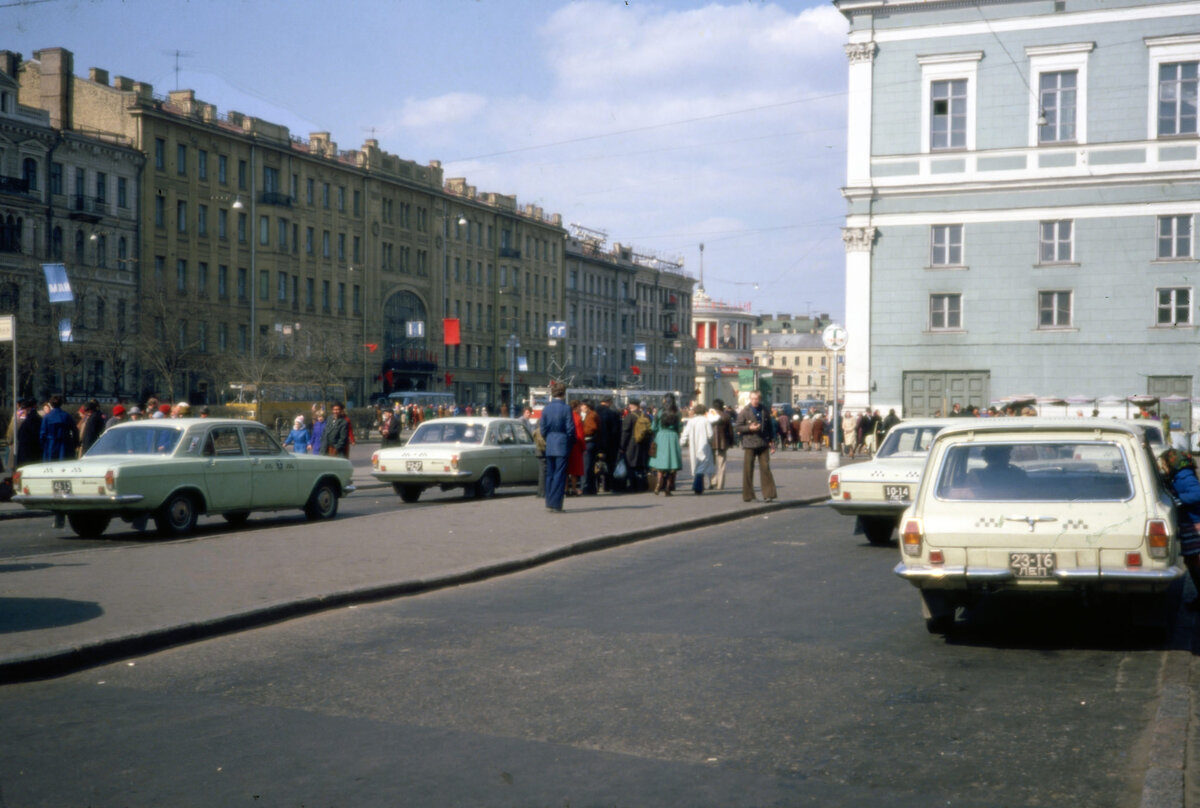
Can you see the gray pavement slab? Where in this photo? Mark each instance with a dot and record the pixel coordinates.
(65, 611)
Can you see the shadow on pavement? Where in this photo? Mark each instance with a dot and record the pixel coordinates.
(34, 614)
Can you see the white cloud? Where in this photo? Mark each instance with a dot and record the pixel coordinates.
(443, 110)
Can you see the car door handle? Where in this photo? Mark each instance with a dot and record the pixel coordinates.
(1030, 520)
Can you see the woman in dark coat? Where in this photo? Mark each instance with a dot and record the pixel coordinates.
(1180, 471)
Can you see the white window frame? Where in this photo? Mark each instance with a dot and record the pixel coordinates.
(945, 311)
(1056, 326)
(947, 67)
(1173, 307)
(933, 246)
(1191, 248)
(1182, 48)
(1056, 242)
(1059, 59)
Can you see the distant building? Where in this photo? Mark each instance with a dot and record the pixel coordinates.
(723, 347)
(1022, 184)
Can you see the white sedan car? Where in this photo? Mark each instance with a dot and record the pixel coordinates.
(1038, 505)
(475, 454)
(878, 491)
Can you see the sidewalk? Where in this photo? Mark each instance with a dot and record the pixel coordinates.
(62, 612)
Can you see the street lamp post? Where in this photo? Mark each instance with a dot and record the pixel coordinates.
(599, 353)
(512, 345)
(671, 362)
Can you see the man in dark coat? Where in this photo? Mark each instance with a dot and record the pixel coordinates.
(58, 434)
(637, 453)
(755, 425)
(558, 429)
(608, 437)
(29, 437)
(93, 425)
(335, 440)
(722, 442)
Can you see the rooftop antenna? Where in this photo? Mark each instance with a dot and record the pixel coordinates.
(702, 266)
(178, 54)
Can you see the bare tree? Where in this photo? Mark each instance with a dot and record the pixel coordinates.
(167, 344)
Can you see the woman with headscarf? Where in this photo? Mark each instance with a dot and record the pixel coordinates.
(1180, 471)
(299, 438)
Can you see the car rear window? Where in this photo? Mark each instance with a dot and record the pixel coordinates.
(908, 439)
(434, 432)
(136, 440)
(1059, 471)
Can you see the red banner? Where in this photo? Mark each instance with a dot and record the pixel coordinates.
(451, 331)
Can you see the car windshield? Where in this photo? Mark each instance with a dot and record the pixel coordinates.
(441, 432)
(1052, 471)
(908, 439)
(137, 440)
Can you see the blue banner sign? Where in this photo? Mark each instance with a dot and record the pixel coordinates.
(57, 283)
(64, 330)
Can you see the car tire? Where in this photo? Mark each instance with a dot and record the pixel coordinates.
(236, 518)
(87, 525)
(323, 504)
(879, 530)
(408, 493)
(938, 609)
(486, 487)
(177, 516)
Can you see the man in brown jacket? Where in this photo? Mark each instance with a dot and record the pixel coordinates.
(722, 440)
(755, 425)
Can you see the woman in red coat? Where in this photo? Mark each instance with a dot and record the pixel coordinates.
(575, 470)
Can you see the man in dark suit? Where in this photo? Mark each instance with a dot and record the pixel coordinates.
(608, 438)
(558, 428)
(29, 428)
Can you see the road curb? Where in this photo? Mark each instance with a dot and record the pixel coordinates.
(57, 662)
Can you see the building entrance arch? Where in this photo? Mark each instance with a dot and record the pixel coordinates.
(408, 362)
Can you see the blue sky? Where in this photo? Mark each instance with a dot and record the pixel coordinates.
(665, 124)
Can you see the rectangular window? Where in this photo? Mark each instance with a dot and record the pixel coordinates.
(264, 230)
(308, 240)
(160, 212)
(56, 179)
(222, 223)
(341, 299)
(222, 281)
(1054, 309)
(1055, 243)
(946, 245)
(325, 244)
(1057, 98)
(308, 293)
(1174, 306)
(281, 287)
(202, 279)
(181, 160)
(222, 337)
(222, 169)
(122, 191)
(945, 312)
(1174, 237)
(202, 220)
(281, 228)
(341, 198)
(948, 114)
(325, 296)
(202, 164)
(241, 283)
(160, 153)
(325, 195)
(181, 216)
(341, 247)
(1177, 86)
(309, 185)
(242, 168)
(270, 180)
(181, 277)
(264, 285)
(243, 221)
(101, 186)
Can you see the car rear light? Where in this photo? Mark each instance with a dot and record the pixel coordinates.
(1133, 559)
(937, 557)
(454, 462)
(1158, 538)
(834, 485)
(110, 479)
(375, 460)
(16, 478)
(910, 539)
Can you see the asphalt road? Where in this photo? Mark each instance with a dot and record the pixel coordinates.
(774, 661)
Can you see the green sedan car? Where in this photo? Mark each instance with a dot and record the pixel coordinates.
(174, 470)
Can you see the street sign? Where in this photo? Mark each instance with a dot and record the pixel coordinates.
(7, 324)
(834, 337)
(556, 329)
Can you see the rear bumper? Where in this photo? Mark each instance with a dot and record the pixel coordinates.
(74, 502)
(945, 577)
(862, 507)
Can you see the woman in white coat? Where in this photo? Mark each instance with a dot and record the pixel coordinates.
(697, 437)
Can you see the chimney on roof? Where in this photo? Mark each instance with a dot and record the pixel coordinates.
(97, 75)
(58, 77)
(9, 62)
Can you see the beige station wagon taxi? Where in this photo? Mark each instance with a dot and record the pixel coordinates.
(878, 491)
(472, 453)
(1037, 505)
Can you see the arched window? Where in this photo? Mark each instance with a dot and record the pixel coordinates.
(101, 251)
(29, 172)
(56, 244)
(122, 249)
(79, 246)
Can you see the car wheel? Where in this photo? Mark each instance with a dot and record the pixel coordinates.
(879, 530)
(177, 516)
(486, 487)
(938, 609)
(237, 518)
(323, 504)
(88, 525)
(408, 493)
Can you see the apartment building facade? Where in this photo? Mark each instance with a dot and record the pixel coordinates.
(1022, 187)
